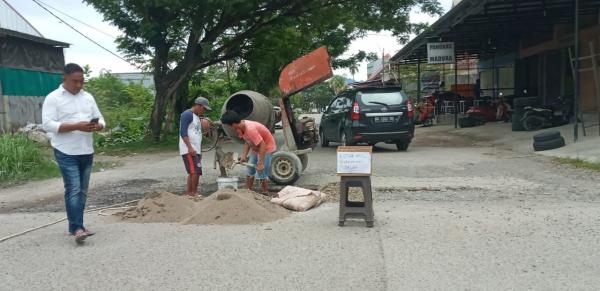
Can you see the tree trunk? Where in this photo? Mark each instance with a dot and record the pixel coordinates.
(177, 104)
(171, 114)
(164, 92)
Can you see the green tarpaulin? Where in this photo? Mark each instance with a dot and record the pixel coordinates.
(19, 82)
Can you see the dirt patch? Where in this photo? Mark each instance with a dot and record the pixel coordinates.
(225, 206)
(332, 193)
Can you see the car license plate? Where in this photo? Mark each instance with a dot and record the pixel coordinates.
(384, 119)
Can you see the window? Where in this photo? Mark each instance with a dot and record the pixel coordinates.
(387, 98)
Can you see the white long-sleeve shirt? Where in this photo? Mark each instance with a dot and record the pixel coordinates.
(61, 106)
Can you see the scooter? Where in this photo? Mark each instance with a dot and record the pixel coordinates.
(426, 111)
(538, 117)
(493, 111)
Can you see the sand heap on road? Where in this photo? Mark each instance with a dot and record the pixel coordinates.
(226, 206)
(160, 207)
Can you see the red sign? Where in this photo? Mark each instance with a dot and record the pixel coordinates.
(305, 72)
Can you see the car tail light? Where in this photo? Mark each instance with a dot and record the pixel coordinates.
(411, 110)
(355, 111)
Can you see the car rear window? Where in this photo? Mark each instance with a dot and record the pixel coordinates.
(387, 98)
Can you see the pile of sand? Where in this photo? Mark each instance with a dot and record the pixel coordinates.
(225, 206)
(236, 207)
(160, 207)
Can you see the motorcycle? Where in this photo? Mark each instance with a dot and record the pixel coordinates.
(539, 117)
(426, 111)
(493, 111)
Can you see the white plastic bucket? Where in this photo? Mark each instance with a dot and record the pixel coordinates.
(228, 182)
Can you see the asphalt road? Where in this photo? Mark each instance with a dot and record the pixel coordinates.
(454, 212)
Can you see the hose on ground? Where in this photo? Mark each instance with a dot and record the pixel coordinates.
(63, 219)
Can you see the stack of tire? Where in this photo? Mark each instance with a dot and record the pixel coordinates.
(548, 140)
(519, 105)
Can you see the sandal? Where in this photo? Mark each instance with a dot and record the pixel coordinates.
(80, 236)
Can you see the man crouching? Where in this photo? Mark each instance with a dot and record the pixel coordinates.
(257, 138)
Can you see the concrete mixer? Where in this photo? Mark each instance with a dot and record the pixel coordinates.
(291, 159)
(300, 135)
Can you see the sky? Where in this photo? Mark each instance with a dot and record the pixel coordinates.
(83, 51)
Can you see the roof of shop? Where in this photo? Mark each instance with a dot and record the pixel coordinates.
(482, 27)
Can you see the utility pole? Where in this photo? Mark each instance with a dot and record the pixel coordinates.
(576, 72)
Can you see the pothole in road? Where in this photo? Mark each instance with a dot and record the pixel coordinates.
(103, 195)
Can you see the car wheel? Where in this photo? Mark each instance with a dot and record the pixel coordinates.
(402, 145)
(324, 142)
(344, 139)
(285, 168)
(549, 145)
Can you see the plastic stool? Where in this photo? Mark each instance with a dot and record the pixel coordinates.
(354, 209)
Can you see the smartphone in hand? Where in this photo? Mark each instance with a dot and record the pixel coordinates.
(94, 120)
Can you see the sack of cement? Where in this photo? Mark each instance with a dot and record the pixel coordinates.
(298, 199)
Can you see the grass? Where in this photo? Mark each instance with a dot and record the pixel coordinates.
(169, 143)
(579, 164)
(22, 160)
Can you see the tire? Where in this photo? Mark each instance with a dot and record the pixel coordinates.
(304, 161)
(524, 102)
(547, 136)
(549, 145)
(516, 117)
(402, 145)
(324, 142)
(344, 139)
(285, 168)
(465, 122)
(533, 122)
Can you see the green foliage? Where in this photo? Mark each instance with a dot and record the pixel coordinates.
(125, 107)
(169, 143)
(577, 163)
(22, 159)
(175, 39)
(337, 83)
(216, 84)
(319, 95)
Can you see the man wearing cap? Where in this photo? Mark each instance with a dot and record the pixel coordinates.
(190, 142)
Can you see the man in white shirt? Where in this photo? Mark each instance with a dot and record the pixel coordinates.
(70, 115)
(190, 142)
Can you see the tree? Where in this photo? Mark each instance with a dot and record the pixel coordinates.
(337, 83)
(87, 71)
(174, 39)
(319, 95)
(124, 106)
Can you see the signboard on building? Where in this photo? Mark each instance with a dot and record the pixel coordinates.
(440, 53)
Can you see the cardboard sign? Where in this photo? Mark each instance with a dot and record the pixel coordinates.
(354, 161)
(305, 72)
(440, 53)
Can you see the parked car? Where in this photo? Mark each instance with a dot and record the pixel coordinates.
(369, 115)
